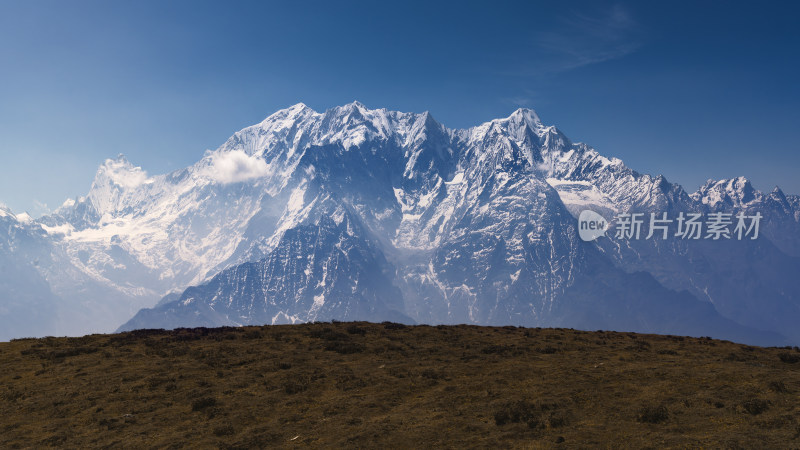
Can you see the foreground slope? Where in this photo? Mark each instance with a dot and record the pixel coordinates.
(378, 385)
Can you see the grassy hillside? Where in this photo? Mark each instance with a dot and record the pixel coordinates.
(388, 385)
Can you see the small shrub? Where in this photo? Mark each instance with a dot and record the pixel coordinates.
(327, 334)
(497, 349)
(733, 356)
(639, 346)
(515, 412)
(349, 382)
(355, 421)
(431, 374)
(252, 334)
(557, 419)
(344, 348)
(789, 358)
(355, 329)
(203, 403)
(393, 326)
(155, 382)
(146, 332)
(54, 440)
(58, 355)
(776, 422)
(548, 350)
(224, 430)
(12, 395)
(536, 415)
(295, 386)
(653, 414)
(755, 406)
(778, 386)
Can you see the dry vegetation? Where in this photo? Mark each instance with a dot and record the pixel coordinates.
(388, 385)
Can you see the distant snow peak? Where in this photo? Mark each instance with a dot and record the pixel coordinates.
(21, 218)
(522, 120)
(735, 192)
(234, 166)
(355, 105)
(526, 116)
(291, 113)
(24, 217)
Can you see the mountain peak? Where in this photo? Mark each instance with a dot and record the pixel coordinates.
(355, 104)
(741, 180)
(728, 184)
(291, 113)
(5, 211)
(298, 109)
(778, 195)
(743, 188)
(521, 119)
(356, 109)
(517, 125)
(298, 106)
(349, 108)
(734, 192)
(23, 217)
(527, 115)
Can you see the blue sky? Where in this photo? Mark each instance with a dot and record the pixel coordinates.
(692, 90)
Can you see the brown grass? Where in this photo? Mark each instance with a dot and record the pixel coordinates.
(387, 385)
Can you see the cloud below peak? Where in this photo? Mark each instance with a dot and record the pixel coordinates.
(234, 166)
(122, 173)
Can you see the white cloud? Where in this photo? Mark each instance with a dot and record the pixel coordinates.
(41, 208)
(234, 166)
(124, 174)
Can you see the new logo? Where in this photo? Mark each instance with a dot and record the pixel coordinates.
(591, 225)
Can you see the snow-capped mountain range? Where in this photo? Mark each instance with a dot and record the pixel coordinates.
(380, 215)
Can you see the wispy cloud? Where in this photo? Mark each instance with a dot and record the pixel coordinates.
(40, 208)
(579, 39)
(573, 41)
(520, 100)
(526, 98)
